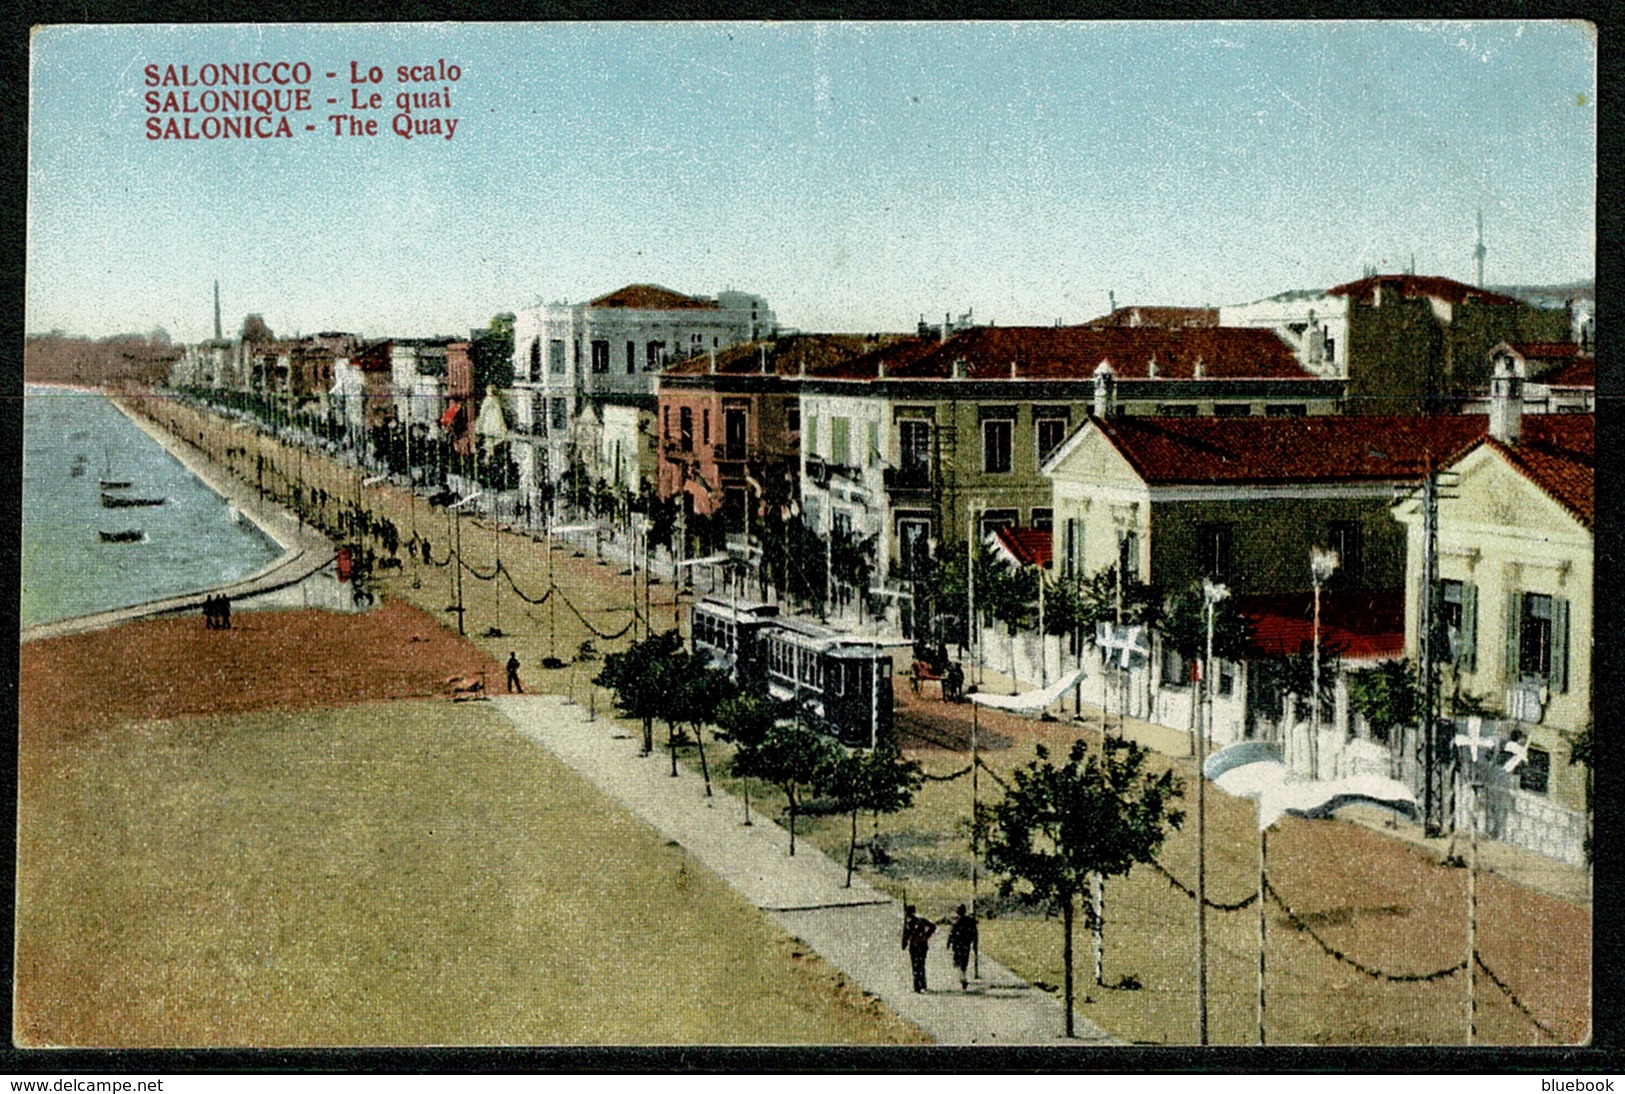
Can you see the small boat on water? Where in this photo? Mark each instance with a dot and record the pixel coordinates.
(128, 535)
(76, 471)
(113, 501)
(114, 484)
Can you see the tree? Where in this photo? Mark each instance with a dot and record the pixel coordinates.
(254, 331)
(696, 693)
(879, 780)
(744, 719)
(1387, 695)
(501, 325)
(1098, 600)
(1097, 814)
(1272, 678)
(1184, 627)
(790, 756)
(634, 678)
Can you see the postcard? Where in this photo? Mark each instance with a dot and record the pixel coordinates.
(675, 534)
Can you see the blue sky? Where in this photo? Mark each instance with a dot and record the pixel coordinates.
(856, 175)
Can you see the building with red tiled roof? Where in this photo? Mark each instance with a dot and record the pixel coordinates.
(1559, 377)
(729, 423)
(1172, 317)
(1405, 343)
(1515, 596)
(584, 378)
(1244, 500)
(903, 442)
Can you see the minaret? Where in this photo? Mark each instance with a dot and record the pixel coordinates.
(217, 335)
(1478, 251)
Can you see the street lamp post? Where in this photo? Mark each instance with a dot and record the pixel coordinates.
(1322, 563)
(1212, 593)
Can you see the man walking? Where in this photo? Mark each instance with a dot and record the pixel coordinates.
(513, 673)
(961, 941)
(917, 932)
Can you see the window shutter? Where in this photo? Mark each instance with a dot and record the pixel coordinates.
(1514, 602)
(1559, 678)
(1469, 627)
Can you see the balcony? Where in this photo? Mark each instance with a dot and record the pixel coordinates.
(902, 480)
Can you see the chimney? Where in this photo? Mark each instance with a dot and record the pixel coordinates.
(880, 369)
(1151, 368)
(1105, 390)
(713, 353)
(1012, 368)
(946, 328)
(763, 348)
(957, 371)
(1506, 402)
(1199, 372)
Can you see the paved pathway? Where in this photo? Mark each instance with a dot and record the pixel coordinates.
(856, 930)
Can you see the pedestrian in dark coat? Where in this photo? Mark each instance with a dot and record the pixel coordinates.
(961, 941)
(917, 932)
(224, 604)
(208, 613)
(513, 673)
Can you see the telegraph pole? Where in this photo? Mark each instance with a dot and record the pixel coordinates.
(1427, 603)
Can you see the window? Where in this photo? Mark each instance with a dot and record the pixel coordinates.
(1128, 556)
(535, 358)
(1069, 554)
(600, 356)
(561, 413)
(999, 518)
(914, 545)
(1044, 519)
(1213, 550)
(1535, 772)
(809, 440)
(1175, 673)
(1458, 623)
(839, 446)
(914, 445)
(1051, 432)
(1537, 638)
(705, 427)
(555, 356)
(872, 438)
(996, 433)
(631, 358)
(1227, 679)
(1285, 410)
(1344, 537)
(792, 417)
(685, 429)
(655, 356)
(1176, 410)
(733, 433)
(1232, 410)
(665, 424)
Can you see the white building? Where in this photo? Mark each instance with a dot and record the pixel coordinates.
(608, 351)
(1313, 322)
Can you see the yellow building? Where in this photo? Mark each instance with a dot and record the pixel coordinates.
(1514, 602)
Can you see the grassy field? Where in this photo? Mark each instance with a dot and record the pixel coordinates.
(399, 873)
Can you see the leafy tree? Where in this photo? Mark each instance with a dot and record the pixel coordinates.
(1097, 601)
(853, 560)
(1184, 627)
(501, 325)
(1273, 678)
(1097, 814)
(744, 719)
(695, 694)
(879, 780)
(255, 332)
(633, 676)
(790, 756)
(1387, 695)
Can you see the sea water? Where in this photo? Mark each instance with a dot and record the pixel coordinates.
(193, 541)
